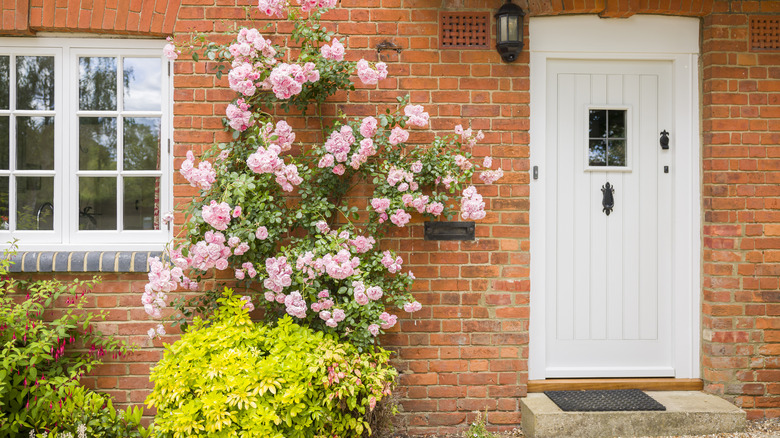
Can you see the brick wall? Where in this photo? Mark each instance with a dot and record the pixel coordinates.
(741, 193)
(467, 349)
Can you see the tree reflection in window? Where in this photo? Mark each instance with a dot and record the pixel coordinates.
(607, 138)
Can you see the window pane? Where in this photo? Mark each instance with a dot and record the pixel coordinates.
(142, 81)
(4, 222)
(35, 143)
(97, 84)
(597, 153)
(5, 80)
(97, 203)
(97, 143)
(142, 143)
(34, 203)
(35, 82)
(617, 124)
(142, 203)
(4, 137)
(616, 153)
(598, 124)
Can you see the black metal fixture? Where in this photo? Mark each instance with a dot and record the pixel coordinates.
(387, 45)
(449, 231)
(607, 201)
(664, 140)
(509, 34)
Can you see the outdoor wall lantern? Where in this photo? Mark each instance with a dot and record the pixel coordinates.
(509, 38)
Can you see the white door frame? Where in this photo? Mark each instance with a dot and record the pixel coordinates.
(640, 37)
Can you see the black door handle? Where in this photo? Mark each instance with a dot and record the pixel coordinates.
(607, 200)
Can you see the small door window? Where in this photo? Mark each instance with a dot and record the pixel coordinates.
(607, 138)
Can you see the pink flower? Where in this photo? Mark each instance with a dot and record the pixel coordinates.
(462, 162)
(420, 203)
(261, 233)
(239, 274)
(248, 306)
(151, 333)
(412, 307)
(221, 264)
(435, 208)
(471, 204)
(334, 52)
(241, 249)
(487, 162)
(403, 187)
(398, 135)
(217, 215)
(239, 116)
(237, 211)
(170, 51)
(361, 298)
(322, 227)
(281, 135)
(362, 244)
(491, 176)
(233, 241)
(400, 218)
(310, 5)
(167, 217)
(339, 315)
(417, 115)
(368, 127)
(374, 292)
(287, 177)
(242, 78)
(286, 80)
(339, 169)
(279, 274)
(417, 166)
(380, 204)
(265, 160)
(272, 8)
(326, 161)
(369, 75)
(392, 265)
(203, 176)
(331, 323)
(388, 320)
(374, 330)
(325, 315)
(295, 305)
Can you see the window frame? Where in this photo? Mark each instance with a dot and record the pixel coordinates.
(629, 154)
(66, 236)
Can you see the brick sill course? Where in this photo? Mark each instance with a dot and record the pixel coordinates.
(82, 261)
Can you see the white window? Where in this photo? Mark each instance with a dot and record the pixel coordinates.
(84, 143)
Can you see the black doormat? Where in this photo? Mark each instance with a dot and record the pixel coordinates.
(610, 400)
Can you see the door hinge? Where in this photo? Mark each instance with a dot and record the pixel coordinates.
(169, 68)
(169, 146)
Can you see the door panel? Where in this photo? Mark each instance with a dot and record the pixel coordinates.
(608, 277)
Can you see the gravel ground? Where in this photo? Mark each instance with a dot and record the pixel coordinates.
(763, 428)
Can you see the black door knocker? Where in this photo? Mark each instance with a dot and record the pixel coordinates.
(664, 140)
(608, 201)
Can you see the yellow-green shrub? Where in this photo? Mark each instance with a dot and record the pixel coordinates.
(233, 376)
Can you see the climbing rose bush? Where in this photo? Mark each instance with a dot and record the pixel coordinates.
(284, 220)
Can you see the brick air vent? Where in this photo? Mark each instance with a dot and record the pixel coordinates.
(464, 30)
(765, 33)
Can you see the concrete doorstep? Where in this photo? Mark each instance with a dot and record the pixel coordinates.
(687, 413)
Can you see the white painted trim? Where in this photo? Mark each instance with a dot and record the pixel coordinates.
(639, 39)
(66, 236)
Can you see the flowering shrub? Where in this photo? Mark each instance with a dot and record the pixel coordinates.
(41, 361)
(281, 222)
(234, 377)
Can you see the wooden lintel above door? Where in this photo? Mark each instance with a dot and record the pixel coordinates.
(648, 384)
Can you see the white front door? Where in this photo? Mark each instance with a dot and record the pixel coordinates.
(609, 203)
(614, 295)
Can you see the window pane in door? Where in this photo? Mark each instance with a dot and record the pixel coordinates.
(142, 203)
(97, 143)
(142, 143)
(616, 153)
(35, 82)
(617, 123)
(142, 81)
(35, 203)
(97, 83)
(4, 143)
(97, 203)
(35, 143)
(4, 218)
(598, 124)
(5, 81)
(597, 153)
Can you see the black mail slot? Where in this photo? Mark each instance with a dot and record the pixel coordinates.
(449, 231)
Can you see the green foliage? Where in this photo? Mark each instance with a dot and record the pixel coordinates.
(478, 429)
(41, 361)
(93, 415)
(237, 377)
